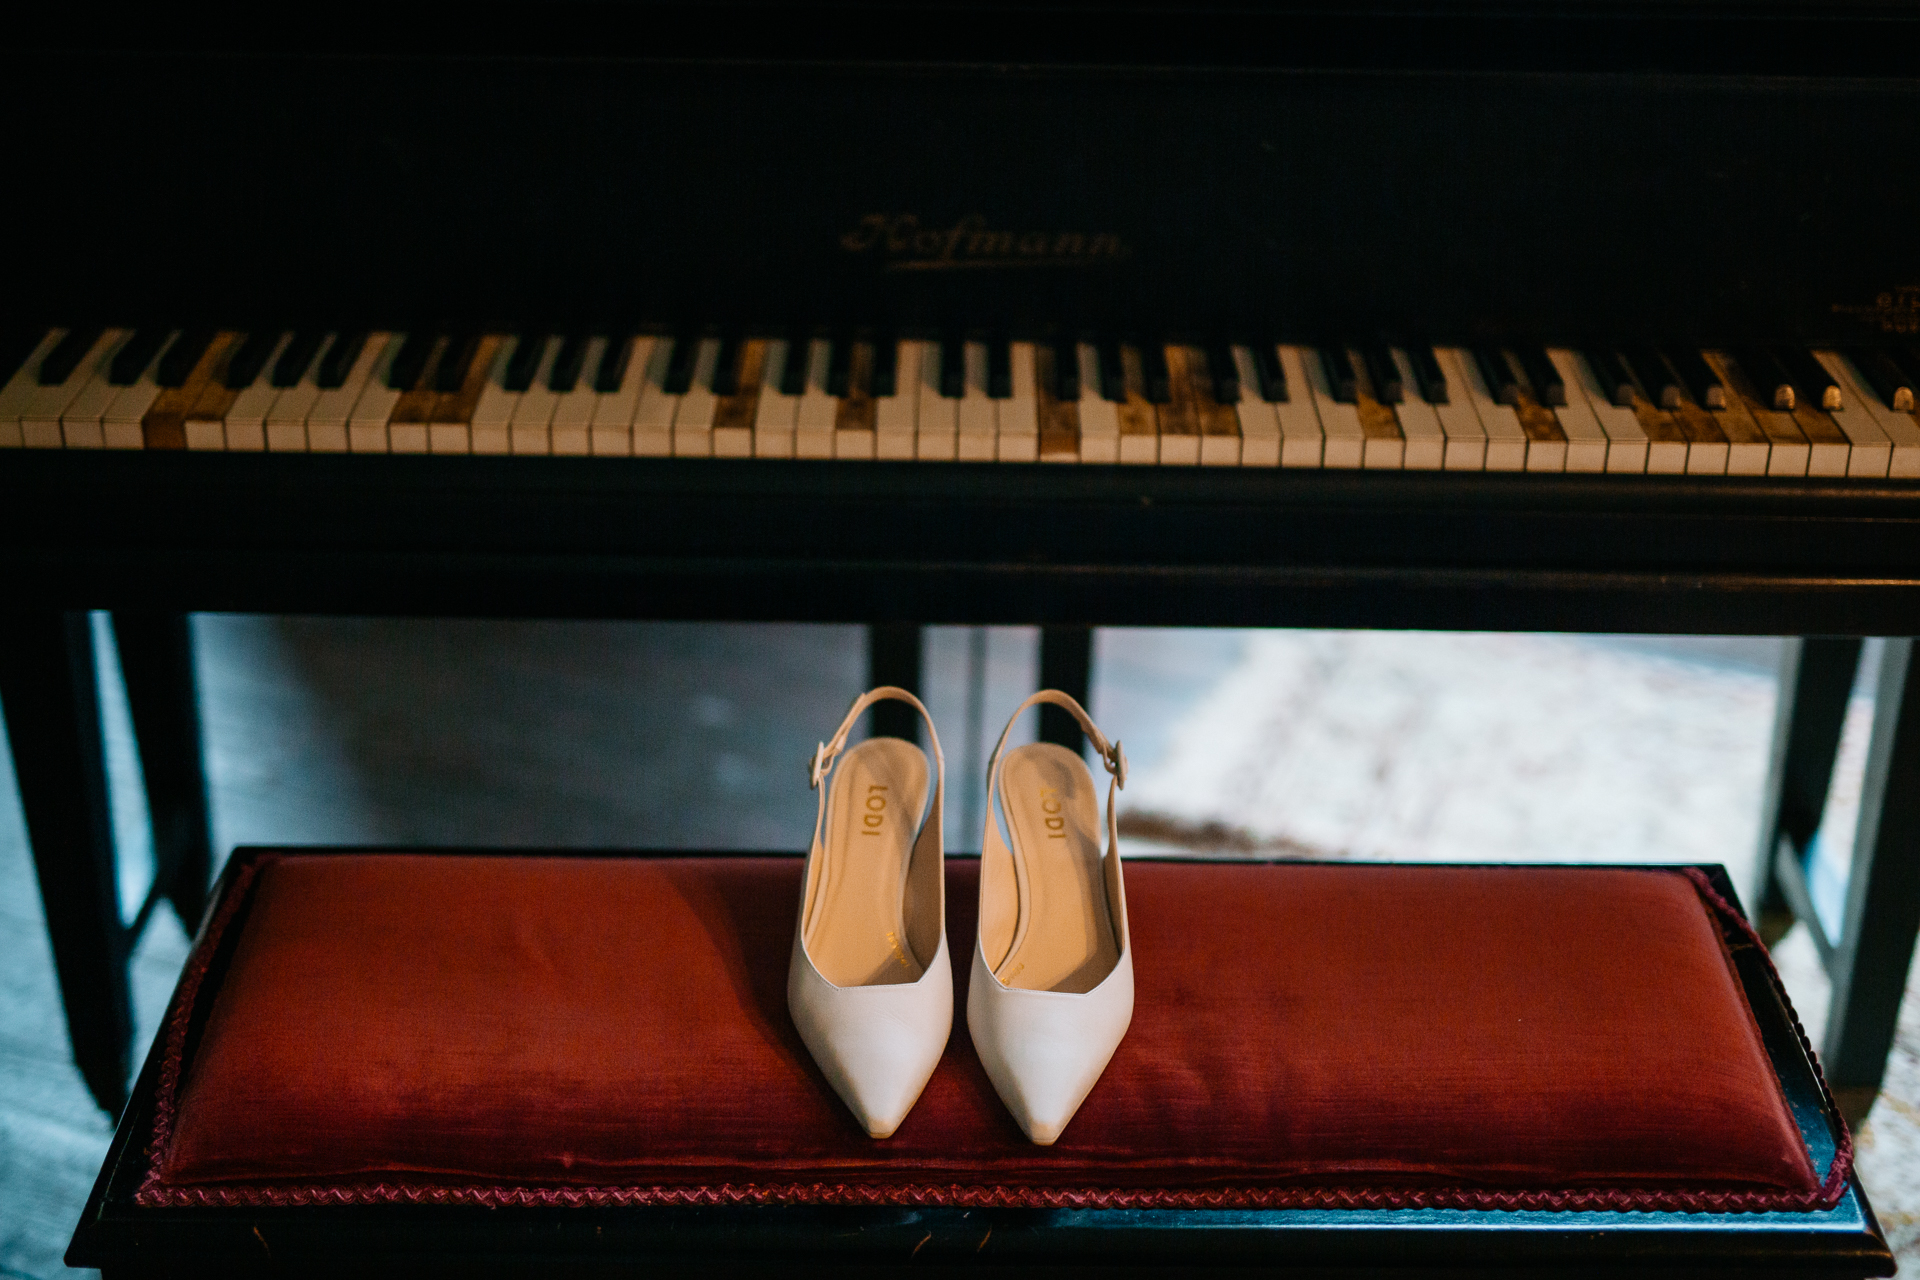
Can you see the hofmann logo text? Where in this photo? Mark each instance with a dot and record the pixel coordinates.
(903, 242)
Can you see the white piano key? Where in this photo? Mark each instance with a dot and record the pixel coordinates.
(610, 431)
(814, 418)
(287, 419)
(80, 421)
(1902, 429)
(939, 416)
(1506, 438)
(1873, 447)
(693, 416)
(1747, 447)
(1340, 423)
(775, 414)
(367, 424)
(653, 416)
(246, 423)
(20, 389)
(333, 410)
(1626, 438)
(1787, 448)
(1586, 438)
(896, 418)
(41, 412)
(120, 422)
(1099, 416)
(1426, 439)
(489, 430)
(1466, 437)
(573, 410)
(1302, 442)
(529, 430)
(978, 416)
(1019, 415)
(1259, 424)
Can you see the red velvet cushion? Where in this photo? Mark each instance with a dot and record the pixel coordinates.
(512, 1029)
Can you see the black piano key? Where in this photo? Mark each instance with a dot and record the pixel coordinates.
(338, 362)
(1497, 374)
(244, 365)
(1883, 373)
(1771, 381)
(1224, 373)
(840, 366)
(1657, 381)
(296, 358)
(680, 362)
(1155, 374)
(66, 355)
(182, 356)
(1066, 369)
(1549, 388)
(793, 372)
(886, 367)
(1272, 374)
(411, 360)
(1701, 382)
(16, 344)
(132, 359)
(524, 363)
(1612, 374)
(726, 370)
(1337, 364)
(953, 367)
(1113, 371)
(613, 363)
(1383, 372)
(1810, 377)
(572, 358)
(456, 361)
(1000, 369)
(1428, 373)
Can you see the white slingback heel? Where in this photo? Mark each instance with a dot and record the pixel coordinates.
(869, 984)
(1052, 989)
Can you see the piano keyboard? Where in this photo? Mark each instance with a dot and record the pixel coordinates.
(1778, 412)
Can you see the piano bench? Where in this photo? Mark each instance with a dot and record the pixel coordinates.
(510, 1063)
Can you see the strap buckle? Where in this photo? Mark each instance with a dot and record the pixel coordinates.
(817, 765)
(1116, 761)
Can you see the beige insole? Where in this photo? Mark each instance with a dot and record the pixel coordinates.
(855, 931)
(1064, 941)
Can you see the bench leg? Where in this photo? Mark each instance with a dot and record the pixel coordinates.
(1816, 679)
(156, 659)
(1066, 664)
(51, 701)
(893, 657)
(1875, 949)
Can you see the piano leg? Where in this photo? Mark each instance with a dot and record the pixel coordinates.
(1816, 678)
(51, 702)
(1066, 664)
(156, 659)
(893, 657)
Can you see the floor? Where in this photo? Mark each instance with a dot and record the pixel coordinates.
(1327, 744)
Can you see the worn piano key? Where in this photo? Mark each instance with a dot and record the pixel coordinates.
(1178, 418)
(1156, 379)
(569, 434)
(332, 411)
(1749, 450)
(1666, 442)
(953, 367)
(373, 408)
(1812, 383)
(1772, 383)
(1259, 424)
(1706, 444)
(1657, 382)
(734, 415)
(839, 365)
(1383, 374)
(1059, 419)
(1901, 429)
(1870, 451)
(1220, 440)
(406, 364)
(137, 356)
(1223, 373)
(1019, 412)
(1099, 414)
(1426, 439)
(1139, 423)
(653, 415)
(81, 418)
(1466, 434)
(999, 368)
(773, 415)
(1586, 438)
(1626, 439)
(1543, 376)
(287, 417)
(1546, 442)
(896, 411)
(1610, 373)
(178, 361)
(1344, 439)
(450, 423)
(853, 419)
(1788, 452)
(163, 426)
(886, 366)
(681, 359)
(693, 416)
(204, 422)
(60, 378)
(818, 409)
(343, 354)
(1342, 380)
(409, 425)
(1113, 370)
(978, 421)
(1383, 447)
(1506, 437)
(1697, 376)
(617, 382)
(939, 416)
(1496, 373)
(1883, 376)
(20, 386)
(489, 427)
(1829, 449)
(1302, 439)
(295, 360)
(1270, 375)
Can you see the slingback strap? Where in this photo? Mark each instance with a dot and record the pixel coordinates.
(820, 763)
(1110, 755)
(927, 849)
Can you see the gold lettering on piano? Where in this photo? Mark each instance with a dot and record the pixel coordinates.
(902, 242)
(1894, 311)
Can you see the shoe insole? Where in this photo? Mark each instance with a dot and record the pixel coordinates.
(1065, 936)
(856, 934)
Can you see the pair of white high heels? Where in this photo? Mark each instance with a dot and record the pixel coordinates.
(869, 983)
